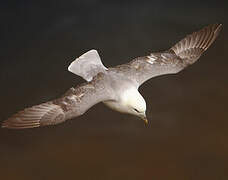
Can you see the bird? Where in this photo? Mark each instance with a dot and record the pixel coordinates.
(117, 87)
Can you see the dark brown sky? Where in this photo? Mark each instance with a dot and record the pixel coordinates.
(187, 136)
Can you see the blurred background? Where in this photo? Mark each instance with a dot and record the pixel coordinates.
(187, 135)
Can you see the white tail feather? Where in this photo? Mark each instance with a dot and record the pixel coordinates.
(87, 65)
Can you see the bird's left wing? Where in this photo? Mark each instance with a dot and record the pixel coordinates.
(73, 103)
(182, 54)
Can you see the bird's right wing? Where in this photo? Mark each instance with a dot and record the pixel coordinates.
(182, 54)
(73, 103)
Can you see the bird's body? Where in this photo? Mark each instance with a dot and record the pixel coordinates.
(117, 87)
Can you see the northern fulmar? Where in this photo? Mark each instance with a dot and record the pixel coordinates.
(116, 87)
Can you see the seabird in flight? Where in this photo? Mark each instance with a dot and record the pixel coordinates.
(116, 87)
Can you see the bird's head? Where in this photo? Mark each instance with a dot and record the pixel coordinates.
(135, 104)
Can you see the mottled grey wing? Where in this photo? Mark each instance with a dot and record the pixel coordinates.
(73, 103)
(182, 54)
(192, 46)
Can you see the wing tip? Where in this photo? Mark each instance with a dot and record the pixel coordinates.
(218, 28)
(3, 125)
(11, 124)
(214, 29)
(35, 116)
(201, 39)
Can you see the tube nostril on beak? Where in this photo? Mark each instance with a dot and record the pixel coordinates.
(144, 118)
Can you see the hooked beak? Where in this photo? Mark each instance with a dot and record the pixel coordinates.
(144, 118)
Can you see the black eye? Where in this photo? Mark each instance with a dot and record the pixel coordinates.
(136, 110)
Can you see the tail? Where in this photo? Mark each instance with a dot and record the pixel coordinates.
(36, 116)
(192, 46)
(87, 65)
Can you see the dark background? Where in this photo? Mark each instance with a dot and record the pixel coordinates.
(188, 131)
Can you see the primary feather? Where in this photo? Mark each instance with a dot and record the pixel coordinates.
(192, 46)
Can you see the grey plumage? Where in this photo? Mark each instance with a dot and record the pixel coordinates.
(72, 104)
(182, 54)
(192, 46)
(108, 85)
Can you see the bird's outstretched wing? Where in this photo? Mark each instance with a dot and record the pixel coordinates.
(182, 54)
(73, 103)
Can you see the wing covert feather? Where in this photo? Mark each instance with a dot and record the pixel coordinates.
(185, 52)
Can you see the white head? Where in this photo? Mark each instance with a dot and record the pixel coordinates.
(130, 102)
(134, 103)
